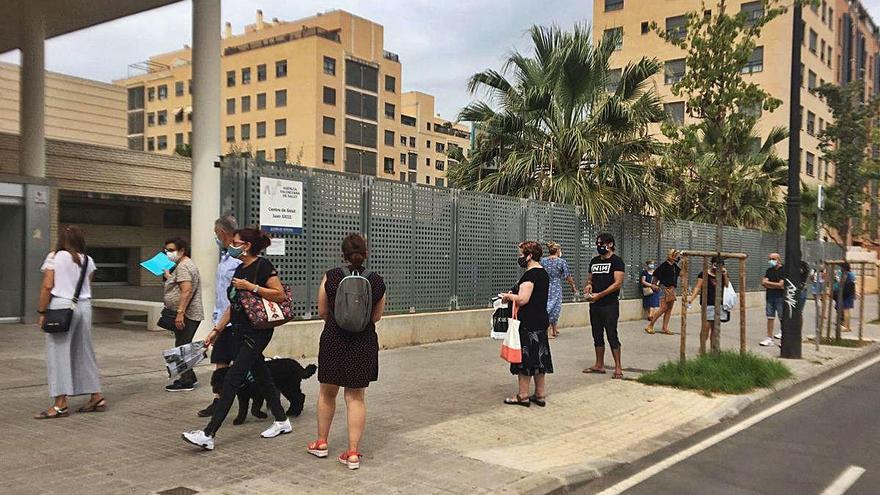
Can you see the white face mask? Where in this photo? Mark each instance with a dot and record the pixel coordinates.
(172, 255)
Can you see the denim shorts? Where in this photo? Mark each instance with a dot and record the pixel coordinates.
(774, 307)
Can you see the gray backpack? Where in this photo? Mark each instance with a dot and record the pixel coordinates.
(353, 308)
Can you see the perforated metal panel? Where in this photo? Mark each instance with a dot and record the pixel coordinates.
(392, 242)
(432, 271)
(476, 249)
(564, 230)
(507, 233)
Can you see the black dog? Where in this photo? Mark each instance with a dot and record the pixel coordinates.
(287, 374)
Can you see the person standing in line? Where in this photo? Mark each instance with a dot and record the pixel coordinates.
(557, 269)
(255, 274)
(224, 349)
(666, 275)
(70, 357)
(650, 290)
(774, 282)
(347, 358)
(604, 280)
(183, 294)
(848, 278)
(708, 327)
(530, 296)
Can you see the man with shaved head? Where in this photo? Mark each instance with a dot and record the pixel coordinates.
(774, 282)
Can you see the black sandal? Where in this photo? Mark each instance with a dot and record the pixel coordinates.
(60, 412)
(539, 401)
(99, 406)
(518, 401)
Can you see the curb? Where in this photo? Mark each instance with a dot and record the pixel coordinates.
(571, 478)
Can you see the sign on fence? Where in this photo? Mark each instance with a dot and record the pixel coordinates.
(281, 205)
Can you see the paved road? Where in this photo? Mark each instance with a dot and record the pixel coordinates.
(801, 450)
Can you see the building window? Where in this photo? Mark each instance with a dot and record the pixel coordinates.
(329, 125)
(261, 74)
(281, 68)
(281, 155)
(389, 138)
(245, 132)
(230, 133)
(822, 50)
(136, 98)
(328, 155)
(260, 155)
(330, 66)
(136, 122)
(801, 76)
(178, 140)
(412, 142)
(830, 18)
(111, 264)
(360, 133)
(439, 164)
(261, 130)
(646, 27)
(261, 101)
(151, 144)
(281, 98)
(178, 88)
(675, 112)
(189, 86)
(360, 162)
(756, 61)
(428, 125)
(280, 127)
(361, 76)
(676, 27)
(403, 140)
(753, 12)
(329, 96)
(811, 123)
(828, 61)
(427, 162)
(162, 117)
(427, 180)
(810, 159)
(162, 91)
(390, 111)
(612, 80)
(811, 80)
(361, 104)
(440, 147)
(230, 78)
(613, 5)
(151, 119)
(439, 182)
(245, 104)
(428, 144)
(403, 158)
(814, 41)
(162, 142)
(412, 176)
(412, 161)
(390, 84)
(178, 115)
(230, 106)
(673, 71)
(136, 143)
(389, 165)
(407, 120)
(614, 35)
(151, 94)
(246, 75)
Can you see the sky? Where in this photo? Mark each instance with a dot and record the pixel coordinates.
(440, 43)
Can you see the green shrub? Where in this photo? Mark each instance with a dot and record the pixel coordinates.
(729, 372)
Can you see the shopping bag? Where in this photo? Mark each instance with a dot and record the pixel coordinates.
(511, 351)
(729, 298)
(181, 359)
(498, 322)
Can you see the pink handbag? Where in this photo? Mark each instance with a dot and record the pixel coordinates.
(263, 313)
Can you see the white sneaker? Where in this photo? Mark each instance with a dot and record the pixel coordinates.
(277, 428)
(766, 342)
(199, 439)
(777, 335)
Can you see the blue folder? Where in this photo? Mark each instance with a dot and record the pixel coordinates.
(158, 264)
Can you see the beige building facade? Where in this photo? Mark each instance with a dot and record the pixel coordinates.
(321, 91)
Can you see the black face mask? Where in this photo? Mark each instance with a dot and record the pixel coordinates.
(523, 261)
(602, 249)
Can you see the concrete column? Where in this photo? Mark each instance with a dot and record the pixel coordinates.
(32, 91)
(205, 146)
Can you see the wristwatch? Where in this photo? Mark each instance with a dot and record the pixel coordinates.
(256, 289)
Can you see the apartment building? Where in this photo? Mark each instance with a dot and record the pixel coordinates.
(840, 44)
(321, 91)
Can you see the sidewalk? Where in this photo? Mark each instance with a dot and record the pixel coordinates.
(435, 420)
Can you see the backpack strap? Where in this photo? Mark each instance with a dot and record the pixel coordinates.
(366, 274)
(345, 271)
(82, 277)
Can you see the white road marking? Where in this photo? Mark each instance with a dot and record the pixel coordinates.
(674, 459)
(846, 479)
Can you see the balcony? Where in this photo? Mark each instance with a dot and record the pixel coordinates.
(284, 38)
(391, 56)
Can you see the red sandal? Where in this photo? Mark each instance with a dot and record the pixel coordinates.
(318, 448)
(345, 458)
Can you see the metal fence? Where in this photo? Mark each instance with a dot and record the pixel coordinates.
(445, 249)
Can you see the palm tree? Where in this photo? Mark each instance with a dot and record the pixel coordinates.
(560, 125)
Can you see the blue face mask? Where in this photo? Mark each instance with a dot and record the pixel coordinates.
(234, 251)
(652, 266)
(772, 263)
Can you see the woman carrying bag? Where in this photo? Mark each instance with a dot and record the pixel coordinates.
(70, 357)
(183, 300)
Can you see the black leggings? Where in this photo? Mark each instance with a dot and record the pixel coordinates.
(249, 357)
(603, 319)
(182, 337)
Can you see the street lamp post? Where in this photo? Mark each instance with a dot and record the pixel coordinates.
(792, 317)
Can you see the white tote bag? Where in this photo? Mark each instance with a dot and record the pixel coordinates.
(729, 298)
(511, 350)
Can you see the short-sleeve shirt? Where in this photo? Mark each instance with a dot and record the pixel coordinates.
(667, 273)
(710, 293)
(185, 271)
(258, 272)
(602, 272)
(775, 275)
(533, 316)
(67, 273)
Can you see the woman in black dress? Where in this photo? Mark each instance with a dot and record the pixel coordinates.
(530, 295)
(345, 359)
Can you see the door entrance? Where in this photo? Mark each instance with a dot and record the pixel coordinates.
(12, 273)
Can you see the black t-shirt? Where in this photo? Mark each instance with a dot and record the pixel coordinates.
(667, 273)
(713, 282)
(258, 272)
(602, 272)
(775, 275)
(533, 316)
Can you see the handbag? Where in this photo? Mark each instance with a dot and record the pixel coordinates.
(167, 319)
(511, 350)
(647, 291)
(58, 320)
(263, 313)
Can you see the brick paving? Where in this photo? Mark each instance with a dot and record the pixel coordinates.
(435, 420)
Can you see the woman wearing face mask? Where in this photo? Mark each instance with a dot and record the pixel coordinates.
(650, 291)
(666, 275)
(557, 270)
(709, 325)
(257, 275)
(530, 296)
(183, 294)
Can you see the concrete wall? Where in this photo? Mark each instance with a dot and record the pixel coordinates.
(301, 339)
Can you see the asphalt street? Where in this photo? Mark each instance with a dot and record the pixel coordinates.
(801, 450)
